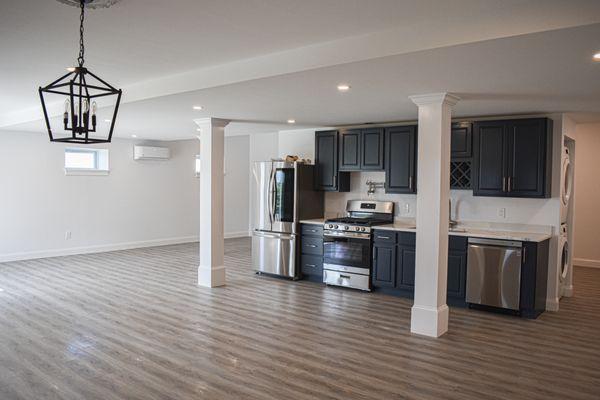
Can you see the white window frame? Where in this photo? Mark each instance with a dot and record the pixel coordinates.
(101, 162)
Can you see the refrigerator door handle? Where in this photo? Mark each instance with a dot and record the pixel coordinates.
(270, 189)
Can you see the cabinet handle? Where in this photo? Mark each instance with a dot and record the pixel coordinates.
(509, 184)
(311, 265)
(335, 180)
(344, 276)
(410, 182)
(310, 245)
(504, 184)
(383, 237)
(524, 255)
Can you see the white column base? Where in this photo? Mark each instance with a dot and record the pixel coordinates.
(211, 276)
(567, 291)
(429, 321)
(552, 304)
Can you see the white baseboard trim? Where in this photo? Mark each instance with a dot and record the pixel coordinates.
(586, 262)
(95, 248)
(232, 235)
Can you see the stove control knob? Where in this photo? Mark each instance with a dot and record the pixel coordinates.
(363, 229)
(330, 226)
(357, 228)
(335, 227)
(346, 227)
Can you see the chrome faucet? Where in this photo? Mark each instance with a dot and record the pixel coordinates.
(451, 223)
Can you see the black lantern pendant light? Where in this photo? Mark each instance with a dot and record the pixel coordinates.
(81, 88)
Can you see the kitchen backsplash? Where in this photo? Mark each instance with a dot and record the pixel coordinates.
(465, 206)
(335, 203)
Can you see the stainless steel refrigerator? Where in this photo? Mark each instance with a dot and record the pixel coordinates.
(283, 194)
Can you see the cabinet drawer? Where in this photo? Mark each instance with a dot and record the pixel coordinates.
(384, 236)
(407, 238)
(311, 265)
(458, 243)
(312, 230)
(312, 245)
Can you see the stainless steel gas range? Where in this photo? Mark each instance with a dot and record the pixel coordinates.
(347, 243)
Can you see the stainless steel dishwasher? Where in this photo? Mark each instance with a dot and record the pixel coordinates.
(494, 273)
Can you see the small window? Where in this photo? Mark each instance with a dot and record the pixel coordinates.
(82, 161)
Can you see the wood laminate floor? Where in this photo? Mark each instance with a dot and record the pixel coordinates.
(134, 325)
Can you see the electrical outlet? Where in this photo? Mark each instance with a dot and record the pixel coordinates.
(502, 212)
(68, 235)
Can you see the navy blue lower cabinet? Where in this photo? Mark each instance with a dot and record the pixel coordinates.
(394, 259)
(384, 265)
(534, 278)
(311, 252)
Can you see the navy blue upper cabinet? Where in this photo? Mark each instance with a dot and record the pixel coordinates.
(461, 140)
(512, 158)
(372, 141)
(328, 177)
(361, 149)
(401, 159)
(350, 148)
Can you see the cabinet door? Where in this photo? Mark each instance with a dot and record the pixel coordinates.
(490, 167)
(326, 157)
(405, 268)
(372, 149)
(384, 266)
(350, 150)
(526, 157)
(457, 268)
(461, 140)
(400, 159)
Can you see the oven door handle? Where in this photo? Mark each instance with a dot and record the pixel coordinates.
(347, 235)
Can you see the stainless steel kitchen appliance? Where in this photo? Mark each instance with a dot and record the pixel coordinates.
(347, 243)
(283, 194)
(494, 273)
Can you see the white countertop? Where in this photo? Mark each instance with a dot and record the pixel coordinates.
(402, 226)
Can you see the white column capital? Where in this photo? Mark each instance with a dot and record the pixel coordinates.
(210, 121)
(435, 98)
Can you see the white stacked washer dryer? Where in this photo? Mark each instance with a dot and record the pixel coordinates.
(563, 238)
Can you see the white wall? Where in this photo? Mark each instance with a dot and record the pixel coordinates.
(587, 195)
(299, 143)
(237, 185)
(140, 203)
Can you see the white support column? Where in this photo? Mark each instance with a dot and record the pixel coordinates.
(211, 271)
(429, 312)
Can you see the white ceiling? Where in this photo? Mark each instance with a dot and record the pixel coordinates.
(260, 62)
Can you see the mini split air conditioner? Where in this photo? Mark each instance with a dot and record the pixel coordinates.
(151, 153)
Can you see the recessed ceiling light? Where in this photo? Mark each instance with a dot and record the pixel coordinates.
(197, 108)
(291, 121)
(343, 87)
(107, 120)
(199, 129)
(134, 136)
(597, 56)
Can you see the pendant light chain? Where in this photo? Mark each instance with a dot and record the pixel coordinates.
(81, 45)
